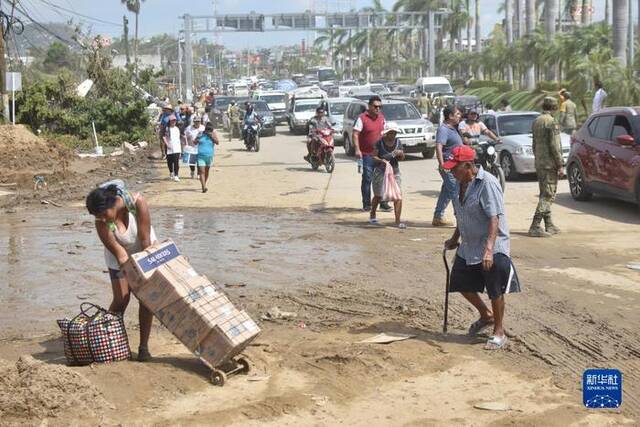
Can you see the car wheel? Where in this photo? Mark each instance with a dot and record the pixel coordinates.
(577, 184)
(348, 149)
(429, 153)
(508, 166)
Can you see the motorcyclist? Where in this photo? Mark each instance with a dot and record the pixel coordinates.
(250, 119)
(317, 122)
(472, 128)
(234, 119)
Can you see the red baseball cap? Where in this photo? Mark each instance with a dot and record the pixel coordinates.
(461, 153)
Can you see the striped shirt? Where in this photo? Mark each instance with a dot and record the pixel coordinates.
(482, 201)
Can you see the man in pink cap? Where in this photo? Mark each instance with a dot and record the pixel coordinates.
(482, 238)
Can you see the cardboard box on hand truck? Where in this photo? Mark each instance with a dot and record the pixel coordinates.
(195, 310)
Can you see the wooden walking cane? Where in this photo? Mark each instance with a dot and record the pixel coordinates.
(446, 291)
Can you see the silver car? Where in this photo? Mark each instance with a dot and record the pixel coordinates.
(417, 134)
(516, 152)
(335, 112)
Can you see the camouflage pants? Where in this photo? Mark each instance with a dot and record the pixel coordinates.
(548, 183)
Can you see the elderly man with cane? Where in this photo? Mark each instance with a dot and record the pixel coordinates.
(482, 238)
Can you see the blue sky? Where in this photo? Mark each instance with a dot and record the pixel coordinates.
(158, 16)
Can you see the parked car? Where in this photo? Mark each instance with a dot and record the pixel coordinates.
(335, 112)
(262, 109)
(417, 134)
(605, 156)
(218, 109)
(516, 151)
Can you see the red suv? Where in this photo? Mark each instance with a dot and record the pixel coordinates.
(605, 155)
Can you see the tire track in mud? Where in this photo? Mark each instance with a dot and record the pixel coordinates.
(570, 341)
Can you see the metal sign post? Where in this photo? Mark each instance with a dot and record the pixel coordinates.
(13, 84)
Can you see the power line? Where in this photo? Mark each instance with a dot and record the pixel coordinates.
(45, 29)
(91, 18)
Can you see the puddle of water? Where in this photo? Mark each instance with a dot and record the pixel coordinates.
(53, 261)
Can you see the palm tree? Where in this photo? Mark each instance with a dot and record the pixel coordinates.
(530, 21)
(477, 24)
(133, 6)
(509, 36)
(469, 23)
(550, 14)
(620, 29)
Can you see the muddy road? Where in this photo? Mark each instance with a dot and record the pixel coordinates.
(276, 234)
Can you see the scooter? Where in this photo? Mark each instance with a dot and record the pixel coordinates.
(252, 136)
(323, 154)
(487, 157)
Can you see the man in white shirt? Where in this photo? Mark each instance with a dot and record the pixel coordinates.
(599, 98)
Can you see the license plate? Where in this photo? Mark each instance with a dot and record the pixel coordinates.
(411, 141)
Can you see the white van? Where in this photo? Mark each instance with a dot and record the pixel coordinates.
(276, 101)
(432, 85)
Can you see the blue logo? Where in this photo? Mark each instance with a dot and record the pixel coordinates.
(602, 388)
(156, 259)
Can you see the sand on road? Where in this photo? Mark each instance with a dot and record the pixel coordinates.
(296, 239)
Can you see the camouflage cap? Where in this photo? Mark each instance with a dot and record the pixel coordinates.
(549, 103)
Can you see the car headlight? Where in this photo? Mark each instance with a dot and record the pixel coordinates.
(528, 151)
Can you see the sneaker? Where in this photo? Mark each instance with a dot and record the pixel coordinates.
(366, 209)
(176, 179)
(440, 222)
(171, 176)
(384, 207)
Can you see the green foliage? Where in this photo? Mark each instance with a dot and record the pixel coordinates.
(499, 85)
(57, 56)
(116, 108)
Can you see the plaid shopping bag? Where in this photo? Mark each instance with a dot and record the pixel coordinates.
(94, 336)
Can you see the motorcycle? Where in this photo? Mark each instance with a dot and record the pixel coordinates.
(252, 136)
(487, 157)
(323, 154)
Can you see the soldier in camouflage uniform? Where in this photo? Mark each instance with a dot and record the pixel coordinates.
(549, 167)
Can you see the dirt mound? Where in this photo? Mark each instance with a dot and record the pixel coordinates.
(31, 391)
(27, 155)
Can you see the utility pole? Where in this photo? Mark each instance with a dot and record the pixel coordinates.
(125, 23)
(188, 28)
(179, 68)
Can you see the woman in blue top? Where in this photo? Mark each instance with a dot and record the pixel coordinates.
(205, 143)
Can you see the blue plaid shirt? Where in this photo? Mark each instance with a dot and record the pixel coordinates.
(482, 201)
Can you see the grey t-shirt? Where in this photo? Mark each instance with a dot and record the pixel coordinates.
(482, 201)
(449, 138)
